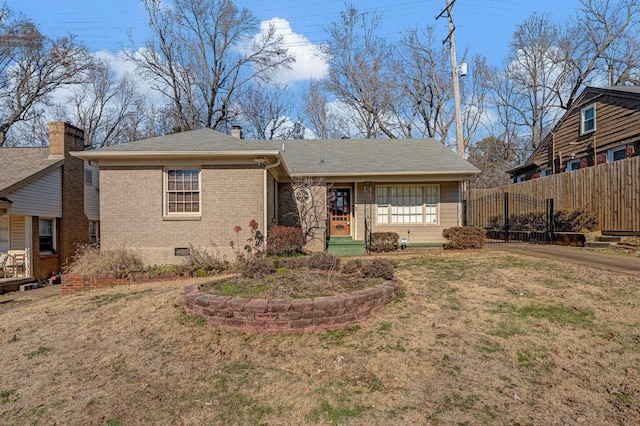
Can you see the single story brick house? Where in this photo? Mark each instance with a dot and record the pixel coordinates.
(49, 202)
(165, 194)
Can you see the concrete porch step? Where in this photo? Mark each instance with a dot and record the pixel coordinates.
(609, 239)
(597, 244)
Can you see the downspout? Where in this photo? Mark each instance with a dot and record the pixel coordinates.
(264, 194)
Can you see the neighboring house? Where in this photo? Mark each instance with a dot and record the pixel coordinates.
(46, 205)
(163, 195)
(602, 126)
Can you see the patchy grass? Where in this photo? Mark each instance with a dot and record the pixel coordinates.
(291, 283)
(477, 338)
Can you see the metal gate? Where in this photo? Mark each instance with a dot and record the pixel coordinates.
(511, 217)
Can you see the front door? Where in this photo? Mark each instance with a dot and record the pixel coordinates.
(340, 212)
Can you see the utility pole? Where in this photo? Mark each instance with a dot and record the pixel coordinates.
(454, 73)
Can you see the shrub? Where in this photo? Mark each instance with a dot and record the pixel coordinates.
(298, 262)
(285, 241)
(352, 267)
(90, 260)
(496, 222)
(568, 220)
(204, 259)
(378, 268)
(256, 267)
(324, 261)
(384, 241)
(464, 237)
(527, 222)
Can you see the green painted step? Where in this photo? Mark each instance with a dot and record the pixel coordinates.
(345, 246)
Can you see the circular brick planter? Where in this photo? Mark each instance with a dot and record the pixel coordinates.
(287, 315)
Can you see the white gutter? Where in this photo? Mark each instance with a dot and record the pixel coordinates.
(265, 201)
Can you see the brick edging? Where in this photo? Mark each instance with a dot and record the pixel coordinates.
(72, 283)
(288, 315)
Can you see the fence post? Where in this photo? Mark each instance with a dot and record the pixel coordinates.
(465, 221)
(550, 221)
(506, 217)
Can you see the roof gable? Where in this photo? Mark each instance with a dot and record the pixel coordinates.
(19, 166)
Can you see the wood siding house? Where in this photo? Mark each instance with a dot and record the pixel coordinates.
(47, 206)
(602, 126)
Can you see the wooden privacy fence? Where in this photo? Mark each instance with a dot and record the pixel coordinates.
(611, 191)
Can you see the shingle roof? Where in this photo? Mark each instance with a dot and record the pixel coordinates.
(18, 165)
(201, 140)
(372, 156)
(628, 89)
(309, 157)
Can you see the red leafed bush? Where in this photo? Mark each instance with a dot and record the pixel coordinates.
(285, 241)
(464, 237)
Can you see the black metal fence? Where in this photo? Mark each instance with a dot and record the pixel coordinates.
(511, 217)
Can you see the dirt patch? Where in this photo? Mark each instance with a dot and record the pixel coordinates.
(290, 284)
(475, 338)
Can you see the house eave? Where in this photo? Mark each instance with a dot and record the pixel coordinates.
(459, 175)
(169, 155)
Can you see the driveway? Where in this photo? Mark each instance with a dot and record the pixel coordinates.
(581, 256)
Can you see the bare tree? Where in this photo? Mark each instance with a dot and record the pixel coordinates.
(474, 99)
(424, 77)
(600, 44)
(359, 71)
(313, 198)
(266, 111)
(202, 53)
(323, 120)
(494, 157)
(32, 67)
(505, 103)
(536, 70)
(105, 106)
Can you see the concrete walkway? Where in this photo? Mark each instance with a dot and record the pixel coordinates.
(577, 255)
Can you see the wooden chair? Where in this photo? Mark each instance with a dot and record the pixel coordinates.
(15, 265)
(6, 261)
(19, 262)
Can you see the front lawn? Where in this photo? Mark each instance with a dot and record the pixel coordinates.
(474, 338)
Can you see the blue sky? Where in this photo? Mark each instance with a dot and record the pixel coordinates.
(482, 26)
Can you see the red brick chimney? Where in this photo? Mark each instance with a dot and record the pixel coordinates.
(74, 225)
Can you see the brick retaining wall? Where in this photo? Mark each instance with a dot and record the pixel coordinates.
(75, 283)
(287, 315)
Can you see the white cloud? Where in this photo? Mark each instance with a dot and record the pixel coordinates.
(309, 61)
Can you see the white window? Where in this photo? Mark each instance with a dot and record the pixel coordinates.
(519, 178)
(382, 200)
(182, 192)
(407, 204)
(573, 165)
(431, 198)
(94, 232)
(588, 119)
(47, 235)
(547, 172)
(616, 154)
